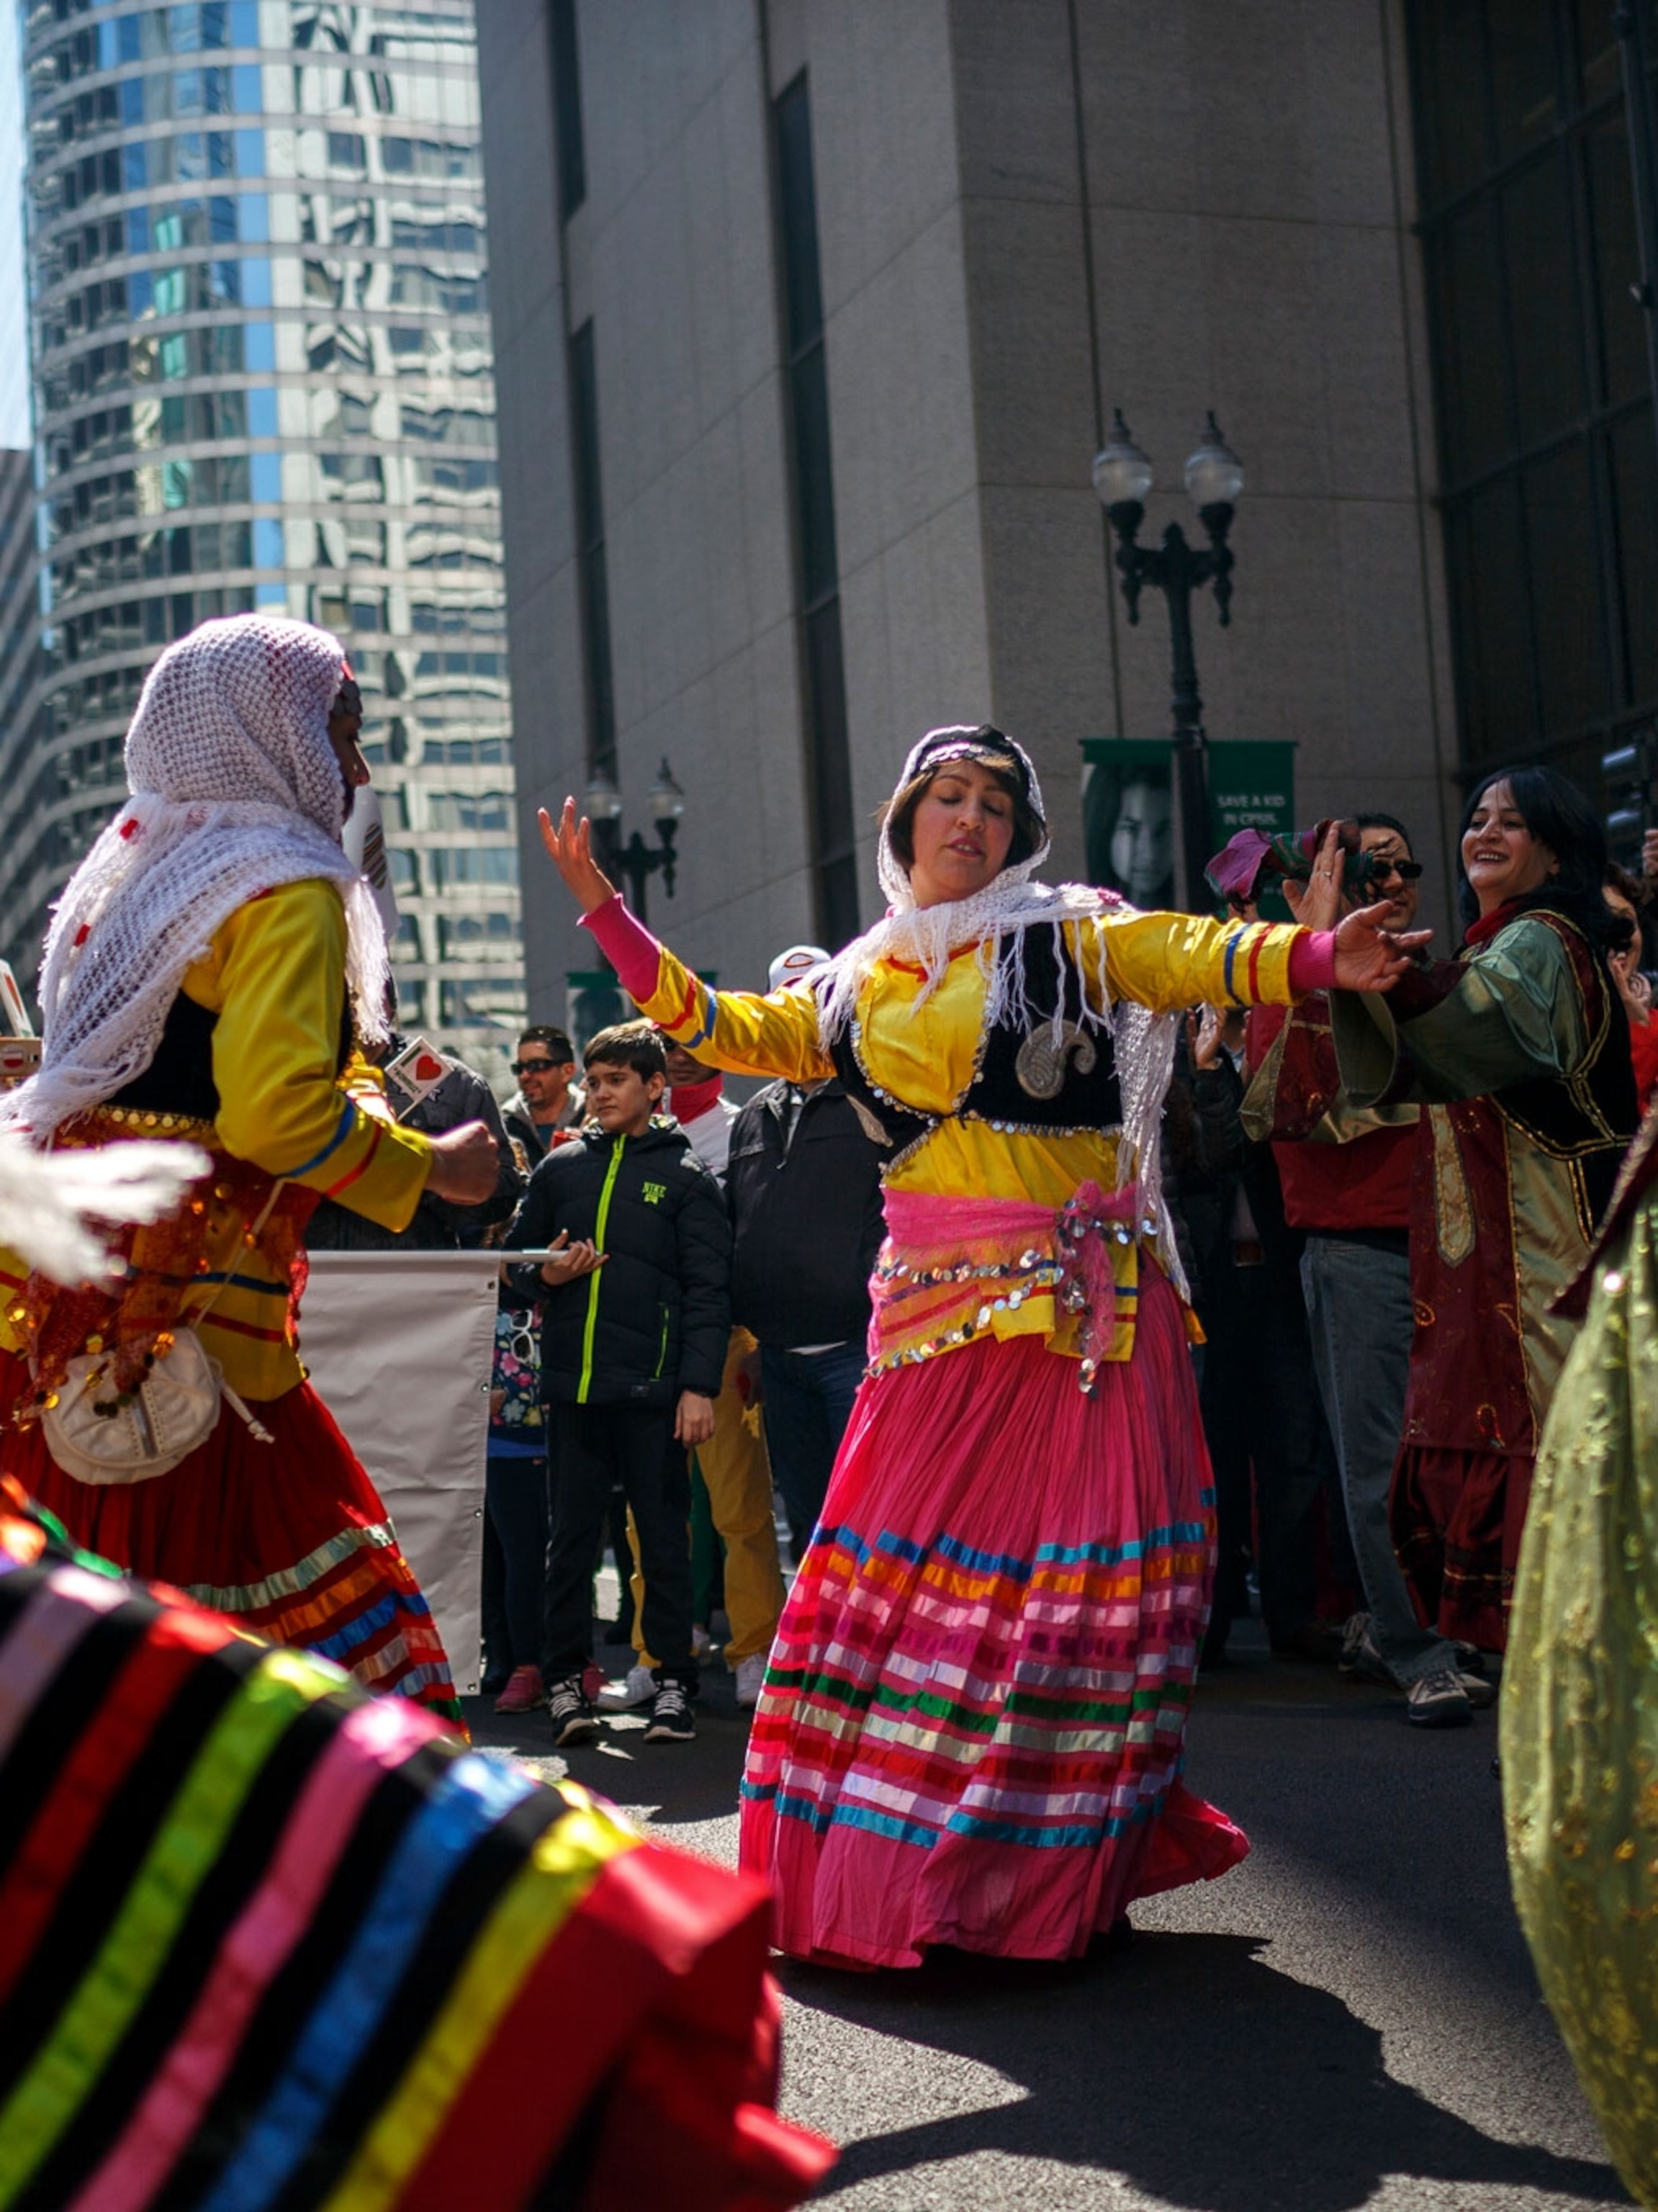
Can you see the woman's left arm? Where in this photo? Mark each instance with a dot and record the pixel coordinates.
(1171, 960)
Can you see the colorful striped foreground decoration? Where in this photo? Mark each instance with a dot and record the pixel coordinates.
(267, 1944)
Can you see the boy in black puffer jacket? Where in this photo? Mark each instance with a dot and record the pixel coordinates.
(635, 1317)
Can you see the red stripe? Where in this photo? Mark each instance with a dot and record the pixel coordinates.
(216, 1320)
(116, 1735)
(361, 1168)
(1255, 962)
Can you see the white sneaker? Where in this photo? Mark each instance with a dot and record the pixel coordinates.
(750, 1673)
(637, 1687)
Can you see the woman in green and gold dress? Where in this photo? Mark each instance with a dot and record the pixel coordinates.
(1580, 1692)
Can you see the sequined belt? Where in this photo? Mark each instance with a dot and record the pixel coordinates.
(953, 1270)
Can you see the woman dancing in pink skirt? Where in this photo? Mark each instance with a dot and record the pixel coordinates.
(971, 1727)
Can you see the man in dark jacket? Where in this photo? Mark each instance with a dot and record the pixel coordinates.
(803, 1182)
(634, 1323)
(439, 1226)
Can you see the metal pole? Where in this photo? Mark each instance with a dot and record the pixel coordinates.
(1180, 571)
(1644, 177)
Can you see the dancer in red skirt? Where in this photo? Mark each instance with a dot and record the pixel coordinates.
(208, 973)
(971, 1728)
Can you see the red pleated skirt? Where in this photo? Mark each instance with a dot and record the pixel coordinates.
(972, 1728)
(288, 1538)
(1458, 1518)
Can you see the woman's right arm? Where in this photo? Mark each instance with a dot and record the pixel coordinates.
(740, 1030)
(1510, 1013)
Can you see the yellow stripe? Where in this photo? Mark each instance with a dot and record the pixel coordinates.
(186, 1850)
(562, 1868)
(592, 1324)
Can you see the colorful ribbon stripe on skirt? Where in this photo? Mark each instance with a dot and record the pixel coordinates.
(266, 1943)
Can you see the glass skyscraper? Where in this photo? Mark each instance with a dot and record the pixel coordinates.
(264, 380)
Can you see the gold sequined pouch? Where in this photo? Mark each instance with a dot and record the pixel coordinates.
(102, 1434)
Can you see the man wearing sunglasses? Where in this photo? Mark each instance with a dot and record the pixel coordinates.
(1346, 1180)
(548, 1105)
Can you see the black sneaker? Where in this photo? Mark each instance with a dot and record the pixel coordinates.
(1438, 1699)
(1480, 1693)
(571, 1712)
(672, 1720)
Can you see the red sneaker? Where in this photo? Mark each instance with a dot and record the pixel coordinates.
(593, 1680)
(523, 1694)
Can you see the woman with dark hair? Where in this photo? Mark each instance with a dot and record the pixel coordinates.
(970, 1731)
(1519, 1051)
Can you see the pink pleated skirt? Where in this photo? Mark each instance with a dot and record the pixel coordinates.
(972, 1725)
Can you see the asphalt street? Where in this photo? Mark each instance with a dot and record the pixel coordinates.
(1348, 2019)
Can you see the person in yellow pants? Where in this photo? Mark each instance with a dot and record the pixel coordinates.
(734, 1465)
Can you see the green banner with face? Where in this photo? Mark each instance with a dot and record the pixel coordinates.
(1129, 809)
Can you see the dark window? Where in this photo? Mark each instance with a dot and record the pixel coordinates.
(566, 110)
(590, 551)
(828, 763)
(1542, 379)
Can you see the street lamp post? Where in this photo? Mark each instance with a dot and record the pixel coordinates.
(1214, 481)
(635, 859)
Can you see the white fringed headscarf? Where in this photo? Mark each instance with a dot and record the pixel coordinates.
(235, 790)
(1143, 1042)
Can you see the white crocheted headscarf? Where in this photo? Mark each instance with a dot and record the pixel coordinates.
(1143, 1042)
(235, 789)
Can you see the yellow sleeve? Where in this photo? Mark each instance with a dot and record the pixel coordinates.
(1166, 961)
(738, 1029)
(277, 979)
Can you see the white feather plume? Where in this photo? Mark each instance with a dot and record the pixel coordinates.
(53, 1205)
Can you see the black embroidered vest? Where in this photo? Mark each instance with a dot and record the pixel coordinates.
(180, 1079)
(1589, 1117)
(1020, 1082)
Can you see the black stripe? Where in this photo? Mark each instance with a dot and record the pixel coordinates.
(94, 1893)
(62, 1709)
(242, 1863)
(294, 1993)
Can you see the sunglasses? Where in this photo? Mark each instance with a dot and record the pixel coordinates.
(534, 1067)
(1407, 871)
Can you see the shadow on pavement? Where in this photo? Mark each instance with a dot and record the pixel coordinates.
(682, 1783)
(1186, 2063)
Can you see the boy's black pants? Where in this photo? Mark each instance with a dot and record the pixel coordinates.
(590, 1448)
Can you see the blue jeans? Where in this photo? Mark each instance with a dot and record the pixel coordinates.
(808, 1401)
(1359, 1313)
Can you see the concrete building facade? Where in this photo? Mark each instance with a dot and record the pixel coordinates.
(1022, 215)
(264, 380)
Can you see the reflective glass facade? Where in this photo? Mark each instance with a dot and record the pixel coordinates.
(264, 380)
(1543, 384)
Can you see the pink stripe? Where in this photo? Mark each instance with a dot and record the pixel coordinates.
(372, 1740)
(1313, 962)
(44, 1634)
(628, 946)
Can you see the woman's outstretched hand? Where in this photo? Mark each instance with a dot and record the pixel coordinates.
(1367, 958)
(570, 846)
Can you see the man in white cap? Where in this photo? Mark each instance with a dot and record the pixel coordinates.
(803, 1187)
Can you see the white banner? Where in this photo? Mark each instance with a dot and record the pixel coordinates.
(399, 1346)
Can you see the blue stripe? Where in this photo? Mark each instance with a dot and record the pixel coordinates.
(346, 1124)
(1004, 1563)
(1047, 1839)
(710, 1007)
(472, 1798)
(1232, 944)
(341, 1644)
